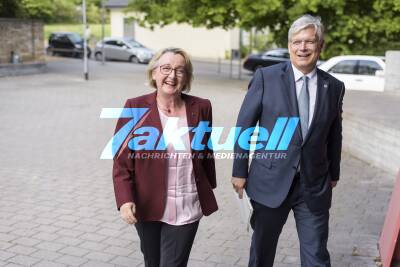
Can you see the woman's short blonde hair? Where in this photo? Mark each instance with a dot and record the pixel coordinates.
(188, 66)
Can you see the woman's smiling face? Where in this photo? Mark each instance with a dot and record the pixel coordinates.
(170, 74)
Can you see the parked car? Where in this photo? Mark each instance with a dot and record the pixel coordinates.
(66, 44)
(357, 72)
(268, 58)
(125, 48)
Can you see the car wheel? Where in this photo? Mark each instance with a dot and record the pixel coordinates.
(49, 52)
(98, 56)
(134, 59)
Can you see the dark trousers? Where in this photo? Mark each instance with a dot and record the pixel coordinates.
(165, 245)
(312, 230)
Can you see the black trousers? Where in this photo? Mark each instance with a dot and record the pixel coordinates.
(312, 230)
(165, 245)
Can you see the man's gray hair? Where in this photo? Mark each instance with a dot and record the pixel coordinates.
(307, 21)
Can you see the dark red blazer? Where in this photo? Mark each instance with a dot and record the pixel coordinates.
(143, 180)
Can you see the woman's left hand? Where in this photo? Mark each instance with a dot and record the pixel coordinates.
(128, 211)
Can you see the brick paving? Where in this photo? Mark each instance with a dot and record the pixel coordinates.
(57, 205)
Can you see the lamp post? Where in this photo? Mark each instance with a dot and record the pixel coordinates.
(103, 56)
(85, 35)
(240, 53)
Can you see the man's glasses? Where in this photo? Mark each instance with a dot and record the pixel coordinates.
(308, 43)
(167, 69)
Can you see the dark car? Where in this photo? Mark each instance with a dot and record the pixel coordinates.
(271, 57)
(66, 44)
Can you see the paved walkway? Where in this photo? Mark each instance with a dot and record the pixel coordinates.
(57, 205)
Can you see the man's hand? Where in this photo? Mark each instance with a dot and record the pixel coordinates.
(238, 185)
(333, 183)
(127, 212)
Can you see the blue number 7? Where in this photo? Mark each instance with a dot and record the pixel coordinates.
(116, 141)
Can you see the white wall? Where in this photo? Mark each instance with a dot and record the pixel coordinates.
(198, 42)
(117, 22)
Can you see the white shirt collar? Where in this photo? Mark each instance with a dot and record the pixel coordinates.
(298, 74)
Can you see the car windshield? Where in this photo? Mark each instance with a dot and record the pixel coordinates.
(75, 38)
(133, 43)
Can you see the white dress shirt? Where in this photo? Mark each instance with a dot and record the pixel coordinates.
(312, 88)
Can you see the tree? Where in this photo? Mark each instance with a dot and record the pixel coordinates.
(65, 12)
(51, 11)
(43, 9)
(209, 13)
(9, 9)
(352, 26)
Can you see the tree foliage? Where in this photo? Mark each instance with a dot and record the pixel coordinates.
(9, 9)
(352, 26)
(51, 11)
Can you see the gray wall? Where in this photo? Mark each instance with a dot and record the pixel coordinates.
(25, 37)
(392, 71)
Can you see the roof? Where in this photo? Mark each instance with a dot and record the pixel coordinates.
(116, 3)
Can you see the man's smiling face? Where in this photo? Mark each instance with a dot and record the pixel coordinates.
(305, 48)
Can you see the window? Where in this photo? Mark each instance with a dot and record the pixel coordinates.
(368, 67)
(120, 43)
(64, 39)
(133, 43)
(55, 37)
(114, 43)
(75, 38)
(345, 67)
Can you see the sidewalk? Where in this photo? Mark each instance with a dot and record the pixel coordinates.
(57, 203)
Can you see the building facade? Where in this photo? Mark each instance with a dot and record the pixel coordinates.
(198, 42)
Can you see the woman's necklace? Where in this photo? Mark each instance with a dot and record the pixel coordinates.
(168, 110)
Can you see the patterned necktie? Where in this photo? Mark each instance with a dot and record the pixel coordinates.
(304, 103)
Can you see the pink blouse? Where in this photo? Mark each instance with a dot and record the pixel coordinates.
(182, 203)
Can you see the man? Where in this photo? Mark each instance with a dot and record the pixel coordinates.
(302, 181)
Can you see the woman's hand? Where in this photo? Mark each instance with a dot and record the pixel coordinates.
(128, 211)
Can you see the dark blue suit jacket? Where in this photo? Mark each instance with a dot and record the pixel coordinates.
(272, 94)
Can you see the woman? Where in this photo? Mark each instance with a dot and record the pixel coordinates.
(165, 192)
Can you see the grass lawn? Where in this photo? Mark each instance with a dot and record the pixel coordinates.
(95, 30)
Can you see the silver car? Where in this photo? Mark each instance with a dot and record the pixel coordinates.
(125, 48)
